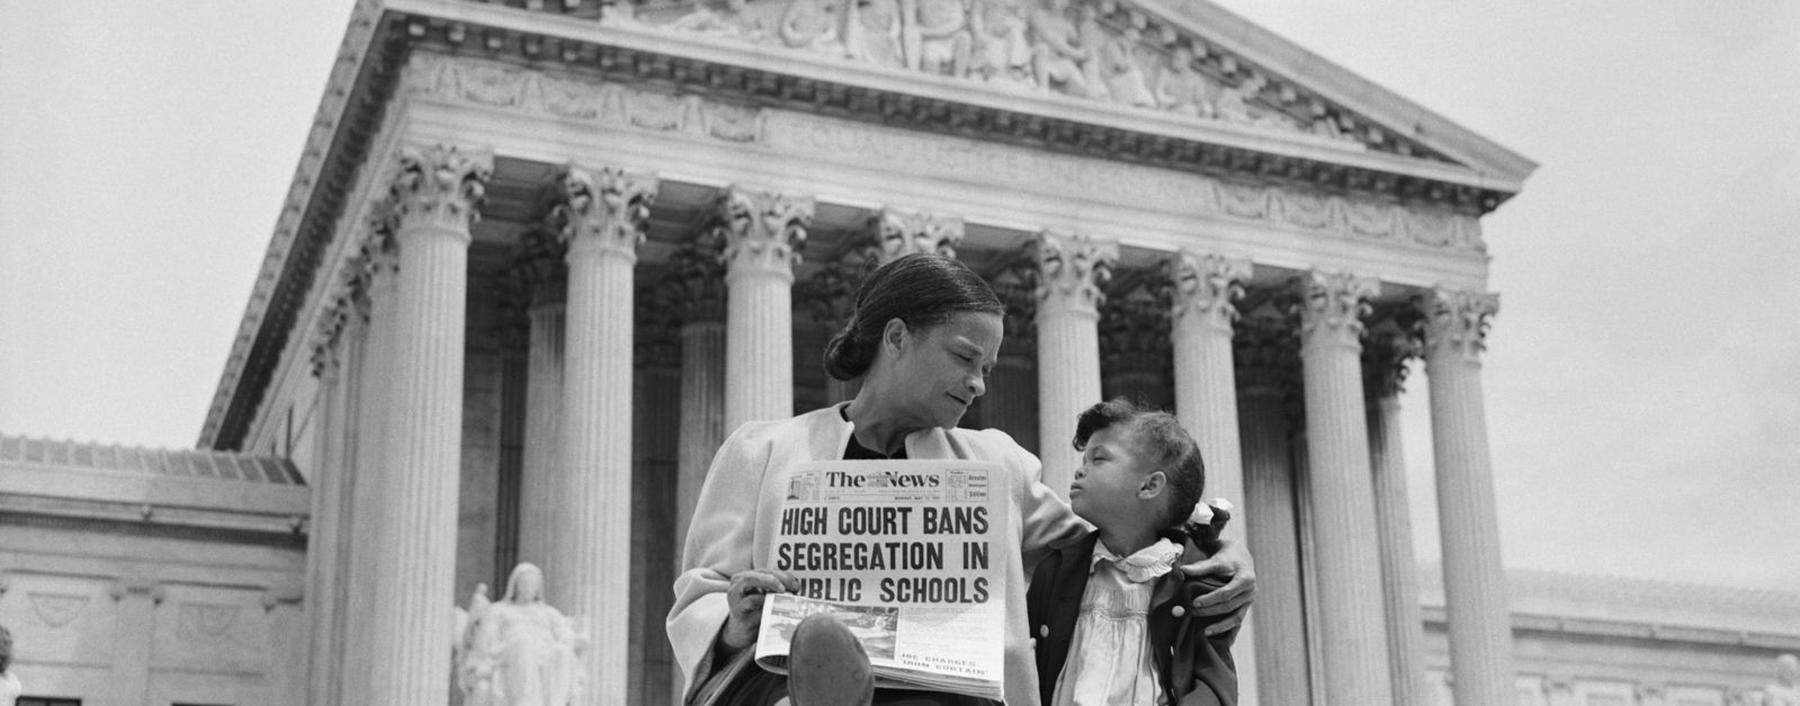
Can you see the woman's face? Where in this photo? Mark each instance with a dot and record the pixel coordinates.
(938, 371)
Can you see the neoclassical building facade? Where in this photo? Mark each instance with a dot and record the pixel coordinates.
(539, 257)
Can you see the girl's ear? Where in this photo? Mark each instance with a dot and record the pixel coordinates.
(895, 335)
(1153, 485)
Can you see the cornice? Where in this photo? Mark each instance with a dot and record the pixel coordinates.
(1340, 86)
(355, 97)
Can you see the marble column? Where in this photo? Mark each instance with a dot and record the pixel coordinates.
(540, 266)
(1352, 633)
(694, 290)
(1203, 289)
(327, 555)
(1479, 625)
(435, 198)
(1071, 270)
(1385, 358)
(600, 216)
(762, 234)
(1267, 363)
(373, 386)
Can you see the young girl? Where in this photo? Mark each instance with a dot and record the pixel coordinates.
(1110, 615)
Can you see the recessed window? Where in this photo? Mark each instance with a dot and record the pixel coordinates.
(46, 701)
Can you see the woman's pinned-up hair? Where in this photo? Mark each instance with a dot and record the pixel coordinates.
(922, 290)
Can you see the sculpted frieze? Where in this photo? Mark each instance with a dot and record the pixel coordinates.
(1100, 50)
(496, 85)
(1327, 214)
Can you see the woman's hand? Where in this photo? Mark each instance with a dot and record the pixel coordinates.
(1231, 600)
(745, 599)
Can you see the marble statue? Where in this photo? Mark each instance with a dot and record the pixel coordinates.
(1124, 77)
(1234, 105)
(1058, 58)
(872, 32)
(1181, 88)
(1785, 691)
(519, 651)
(1002, 53)
(937, 37)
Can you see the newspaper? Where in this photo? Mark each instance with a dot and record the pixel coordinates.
(910, 555)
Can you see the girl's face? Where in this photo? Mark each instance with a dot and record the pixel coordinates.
(1110, 487)
(938, 371)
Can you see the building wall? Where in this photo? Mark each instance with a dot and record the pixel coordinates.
(119, 618)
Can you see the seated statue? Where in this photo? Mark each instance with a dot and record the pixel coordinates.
(520, 651)
(1785, 691)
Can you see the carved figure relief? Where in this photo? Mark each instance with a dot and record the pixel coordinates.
(1125, 80)
(206, 623)
(811, 24)
(1002, 53)
(1093, 50)
(56, 609)
(1182, 89)
(1059, 61)
(872, 32)
(937, 38)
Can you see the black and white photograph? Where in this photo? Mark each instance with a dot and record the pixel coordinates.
(458, 352)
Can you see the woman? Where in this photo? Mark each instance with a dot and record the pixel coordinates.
(923, 337)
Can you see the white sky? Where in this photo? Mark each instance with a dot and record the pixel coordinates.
(1643, 380)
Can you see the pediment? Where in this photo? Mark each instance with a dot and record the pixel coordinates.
(1185, 59)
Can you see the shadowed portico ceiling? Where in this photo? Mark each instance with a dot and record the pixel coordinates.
(1256, 108)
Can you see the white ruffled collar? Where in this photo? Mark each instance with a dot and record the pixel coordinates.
(1143, 565)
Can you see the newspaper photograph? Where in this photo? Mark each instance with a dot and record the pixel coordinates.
(910, 556)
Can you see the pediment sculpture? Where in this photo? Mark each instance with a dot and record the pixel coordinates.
(518, 651)
(1090, 49)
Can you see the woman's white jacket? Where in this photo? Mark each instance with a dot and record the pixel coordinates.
(737, 514)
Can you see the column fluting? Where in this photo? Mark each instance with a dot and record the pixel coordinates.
(1352, 632)
(435, 197)
(1384, 368)
(1071, 270)
(601, 217)
(1203, 288)
(762, 234)
(542, 262)
(1267, 362)
(1479, 629)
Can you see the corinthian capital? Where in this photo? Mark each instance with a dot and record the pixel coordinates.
(1332, 305)
(903, 232)
(762, 231)
(1072, 268)
(1205, 286)
(603, 211)
(439, 186)
(1456, 322)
